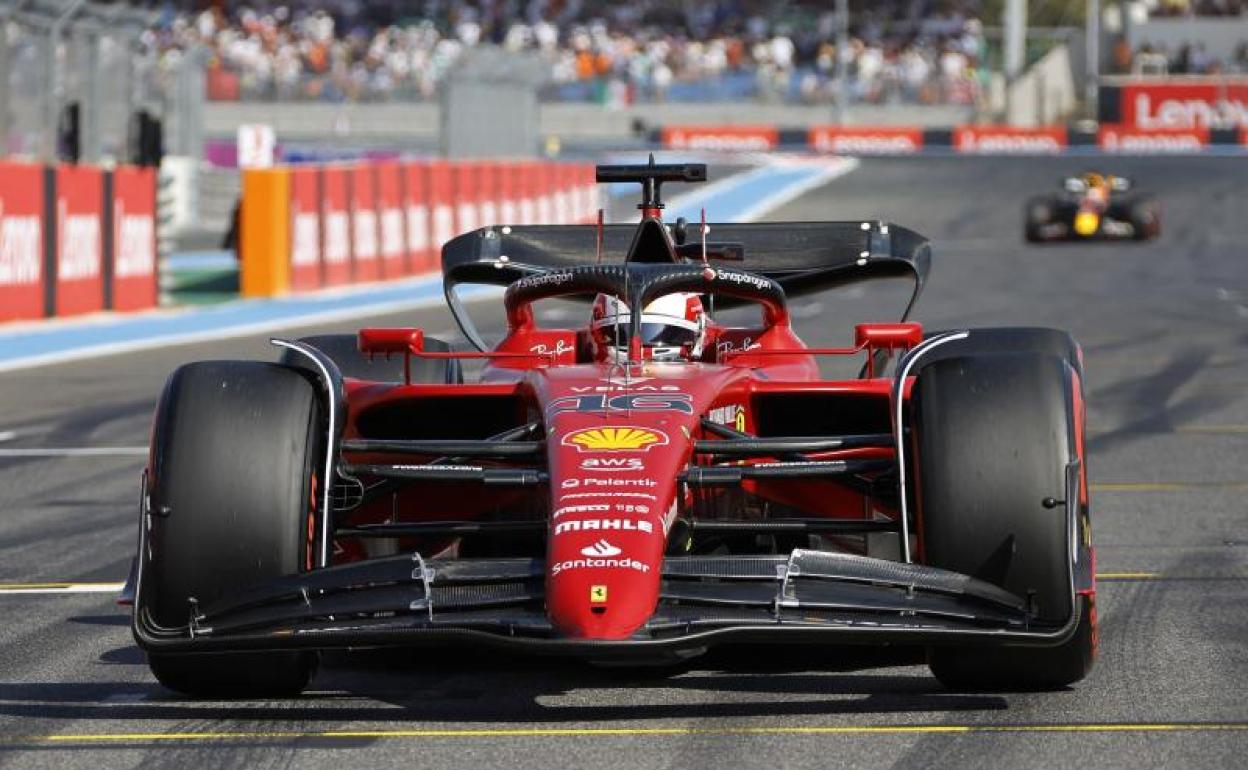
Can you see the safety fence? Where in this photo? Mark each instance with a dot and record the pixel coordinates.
(986, 139)
(308, 227)
(75, 240)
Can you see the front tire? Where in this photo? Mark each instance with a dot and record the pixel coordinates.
(995, 434)
(232, 482)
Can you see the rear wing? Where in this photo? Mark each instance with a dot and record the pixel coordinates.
(803, 257)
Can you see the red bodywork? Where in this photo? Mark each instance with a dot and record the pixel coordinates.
(616, 440)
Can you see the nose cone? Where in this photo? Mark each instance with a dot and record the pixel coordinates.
(607, 588)
(613, 488)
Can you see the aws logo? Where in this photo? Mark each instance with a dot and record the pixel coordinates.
(615, 439)
(612, 464)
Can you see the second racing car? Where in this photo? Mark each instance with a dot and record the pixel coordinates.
(1092, 206)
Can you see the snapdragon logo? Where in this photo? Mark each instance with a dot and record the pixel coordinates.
(757, 282)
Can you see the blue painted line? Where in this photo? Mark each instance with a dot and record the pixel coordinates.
(733, 201)
(200, 260)
(66, 340)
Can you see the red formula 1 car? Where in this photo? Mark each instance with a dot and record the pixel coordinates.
(638, 489)
(1093, 206)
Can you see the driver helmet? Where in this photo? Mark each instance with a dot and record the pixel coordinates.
(672, 327)
(1097, 187)
(1093, 180)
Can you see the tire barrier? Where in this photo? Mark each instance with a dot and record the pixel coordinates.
(308, 227)
(76, 240)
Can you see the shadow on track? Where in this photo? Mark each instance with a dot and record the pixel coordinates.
(466, 688)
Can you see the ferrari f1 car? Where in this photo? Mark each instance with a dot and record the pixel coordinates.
(1093, 207)
(636, 490)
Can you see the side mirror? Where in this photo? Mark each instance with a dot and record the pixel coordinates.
(388, 341)
(1119, 184)
(1074, 185)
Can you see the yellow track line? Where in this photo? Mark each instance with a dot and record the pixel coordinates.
(1168, 486)
(540, 732)
(60, 588)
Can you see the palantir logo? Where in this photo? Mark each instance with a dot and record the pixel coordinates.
(600, 550)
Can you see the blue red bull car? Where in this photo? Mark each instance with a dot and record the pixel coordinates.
(637, 488)
(1093, 206)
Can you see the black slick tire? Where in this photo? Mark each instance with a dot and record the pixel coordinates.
(994, 434)
(1038, 212)
(236, 452)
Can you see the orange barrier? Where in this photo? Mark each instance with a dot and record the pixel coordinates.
(264, 233)
(23, 279)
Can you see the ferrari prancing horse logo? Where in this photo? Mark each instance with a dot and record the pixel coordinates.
(597, 594)
(615, 439)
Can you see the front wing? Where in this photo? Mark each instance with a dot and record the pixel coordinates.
(807, 596)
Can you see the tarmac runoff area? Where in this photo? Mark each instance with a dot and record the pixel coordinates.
(1165, 332)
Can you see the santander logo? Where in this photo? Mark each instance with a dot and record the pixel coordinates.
(600, 550)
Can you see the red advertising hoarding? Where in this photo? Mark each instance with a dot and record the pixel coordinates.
(866, 140)
(720, 137)
(1136, 140)
(134, 276)
(393, 244)
(79, 240)
(21, 241)
(365, 255)
(441, 204)
(335, 226)
(420, 256)
(305, 228)
(1183, 104)
(1007, 140)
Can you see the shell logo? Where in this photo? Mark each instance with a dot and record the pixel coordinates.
(614, 439)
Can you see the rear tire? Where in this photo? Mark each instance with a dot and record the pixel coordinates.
(344, 350)
(236, 453)
(995, 433)
(1145, 217)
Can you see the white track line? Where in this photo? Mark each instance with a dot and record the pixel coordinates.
(60, 588)
(81, 451)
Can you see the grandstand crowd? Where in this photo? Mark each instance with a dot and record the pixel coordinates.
(913, 51)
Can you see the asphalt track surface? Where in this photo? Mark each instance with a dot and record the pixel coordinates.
(1165, 330)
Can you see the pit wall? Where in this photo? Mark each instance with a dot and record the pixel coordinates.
(310, 227)
(76, 240)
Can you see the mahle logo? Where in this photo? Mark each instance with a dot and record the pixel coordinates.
(614, 439)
